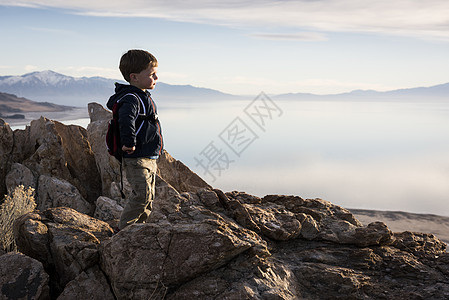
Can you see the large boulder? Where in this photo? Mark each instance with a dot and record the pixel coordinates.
(64, 240)
(22, 277)
(144, 257)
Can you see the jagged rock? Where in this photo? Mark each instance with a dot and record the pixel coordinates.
(64, 240)
(19, 175)
(49, 148)
(80, 160)
(54, 192)
(39, 148)
(108, 210)
(22, 277)
(90, 284)
(6, 146)
(179, 175)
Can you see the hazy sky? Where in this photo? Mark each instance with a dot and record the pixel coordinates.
(239, 47)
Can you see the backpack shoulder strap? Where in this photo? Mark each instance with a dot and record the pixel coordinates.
(142, 105)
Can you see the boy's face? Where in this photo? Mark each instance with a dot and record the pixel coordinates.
(145, 80)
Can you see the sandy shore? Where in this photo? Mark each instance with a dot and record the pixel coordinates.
(403, 221)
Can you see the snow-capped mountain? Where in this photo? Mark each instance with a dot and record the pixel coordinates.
(42, 78)
(49, 86)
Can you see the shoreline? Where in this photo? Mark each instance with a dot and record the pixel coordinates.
(60, 116)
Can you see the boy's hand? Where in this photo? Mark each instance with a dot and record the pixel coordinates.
(128, 150)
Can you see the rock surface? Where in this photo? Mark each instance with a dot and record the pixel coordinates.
(22, 277)
(54, 192)
(199, 242)
(20, 175)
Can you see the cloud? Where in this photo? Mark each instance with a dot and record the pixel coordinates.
(51, 30)
(300, 36)
(428, 19)
(400, 17)
(31, 68)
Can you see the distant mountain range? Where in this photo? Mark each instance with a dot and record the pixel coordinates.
(49, 86)
(437, 92)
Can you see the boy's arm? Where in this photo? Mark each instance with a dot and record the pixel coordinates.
(128, 112)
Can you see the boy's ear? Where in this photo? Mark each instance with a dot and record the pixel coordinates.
(133, 76)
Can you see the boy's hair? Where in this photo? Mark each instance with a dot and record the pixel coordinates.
(135, 61)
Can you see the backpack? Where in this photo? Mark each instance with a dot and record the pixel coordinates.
(113, 135)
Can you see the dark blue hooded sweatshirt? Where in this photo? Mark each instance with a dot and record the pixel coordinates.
(139, 124)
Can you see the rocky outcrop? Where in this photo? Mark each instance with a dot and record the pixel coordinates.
(199, 242)
(49, 148)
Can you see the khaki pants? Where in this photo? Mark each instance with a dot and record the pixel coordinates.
(141, 174)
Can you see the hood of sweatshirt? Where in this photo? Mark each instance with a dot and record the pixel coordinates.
(120, 91)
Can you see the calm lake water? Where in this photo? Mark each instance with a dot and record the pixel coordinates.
(372, 155)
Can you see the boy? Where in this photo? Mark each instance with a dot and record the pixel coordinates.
(140, 132)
